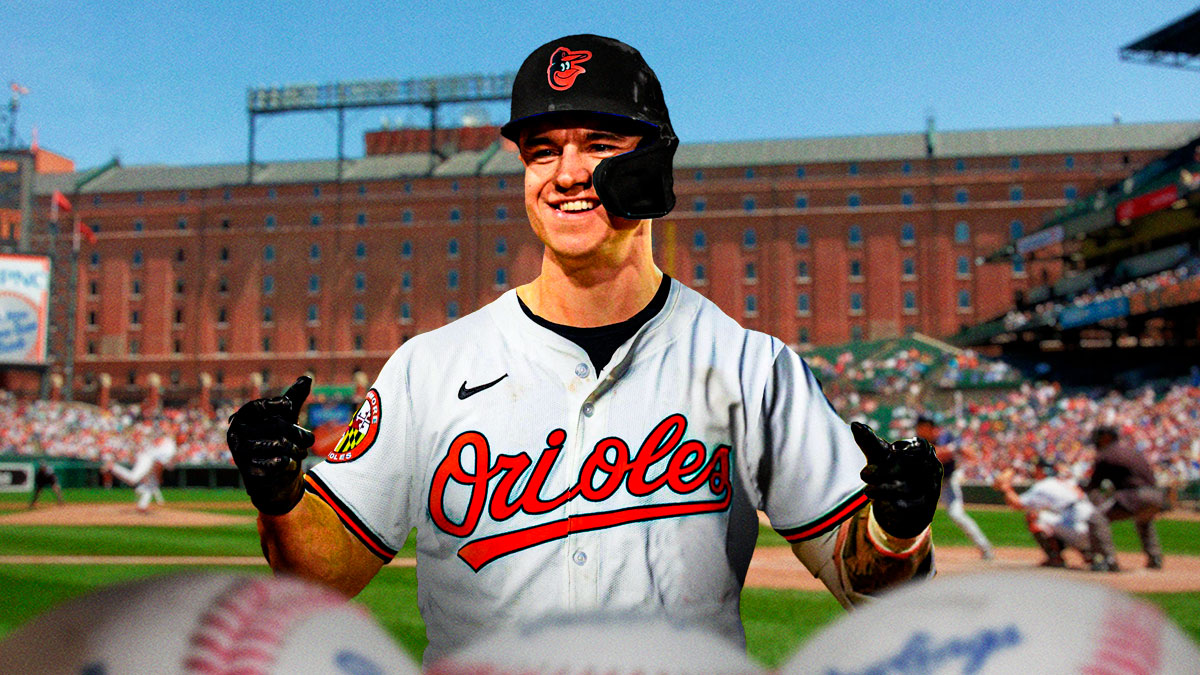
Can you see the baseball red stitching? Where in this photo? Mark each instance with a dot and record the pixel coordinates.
(242, 633)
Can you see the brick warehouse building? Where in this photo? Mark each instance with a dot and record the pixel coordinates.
(197, 269)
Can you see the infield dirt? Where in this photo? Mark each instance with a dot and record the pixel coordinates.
(771, 567)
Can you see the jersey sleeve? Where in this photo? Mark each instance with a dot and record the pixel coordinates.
(369, 479)
(807, 467)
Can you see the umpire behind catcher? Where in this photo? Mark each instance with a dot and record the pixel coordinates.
(596, 439)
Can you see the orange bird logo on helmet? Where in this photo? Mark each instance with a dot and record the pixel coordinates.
(564, 67)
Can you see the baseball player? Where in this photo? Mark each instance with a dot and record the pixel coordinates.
(951, 494)
(146, 474)
(44, 478)
(1059, 516)
(1135, 492)
(596, 439)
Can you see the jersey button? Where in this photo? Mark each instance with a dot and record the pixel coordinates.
(580, 557)
(581, 370)
(588, 409)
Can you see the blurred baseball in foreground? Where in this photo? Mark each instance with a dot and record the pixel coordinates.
(205, 623)
(611, 644)
(1008, 622)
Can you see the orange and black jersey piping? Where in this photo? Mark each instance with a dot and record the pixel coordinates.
(373, 542)
(830, 520)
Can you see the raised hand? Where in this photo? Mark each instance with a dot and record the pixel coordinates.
(269, 448)
(903, 480)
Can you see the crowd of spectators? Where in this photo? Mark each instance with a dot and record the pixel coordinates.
(1013, 428)
(81, 431)
(1002, 428)
(1047, 313)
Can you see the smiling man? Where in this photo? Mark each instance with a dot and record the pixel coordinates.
(599, 438)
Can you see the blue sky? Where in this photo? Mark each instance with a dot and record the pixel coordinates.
(165, 82)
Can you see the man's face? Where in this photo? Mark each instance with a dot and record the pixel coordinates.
(560, 154)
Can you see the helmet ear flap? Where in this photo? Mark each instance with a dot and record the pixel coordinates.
(640, 183)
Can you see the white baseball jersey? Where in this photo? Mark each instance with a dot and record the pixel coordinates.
(1062, 509)
(538, 486)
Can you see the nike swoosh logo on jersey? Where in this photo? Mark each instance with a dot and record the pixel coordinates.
(464, 391)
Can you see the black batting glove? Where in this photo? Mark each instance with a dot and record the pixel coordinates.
(903, 481)
(269, 448)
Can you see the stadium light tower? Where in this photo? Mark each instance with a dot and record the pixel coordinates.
(11, 141)
(430, 92)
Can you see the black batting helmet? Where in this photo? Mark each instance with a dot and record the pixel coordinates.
(594, 74)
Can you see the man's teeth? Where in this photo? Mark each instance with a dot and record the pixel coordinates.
(577, 205)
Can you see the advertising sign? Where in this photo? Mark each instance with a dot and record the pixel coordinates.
(24, 302)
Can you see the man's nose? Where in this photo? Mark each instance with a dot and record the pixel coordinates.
(573, 170)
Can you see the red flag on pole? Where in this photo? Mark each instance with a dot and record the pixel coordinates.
(58, 202)
(82, 230)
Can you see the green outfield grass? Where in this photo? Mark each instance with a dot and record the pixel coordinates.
(777, 621)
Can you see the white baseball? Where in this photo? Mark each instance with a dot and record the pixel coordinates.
(612, 644)
(1007, 622)
(205, 623)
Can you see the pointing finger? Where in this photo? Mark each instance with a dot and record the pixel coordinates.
(297, 393)
(874, 447)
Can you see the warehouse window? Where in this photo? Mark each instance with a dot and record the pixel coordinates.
(853, 200)
(801, 201)
(268, 315)
(856, 270)
(1016, 193)
(749, 238)
(908, 234)
(452, 279)
(501, 277)
(501, 213)
(314, 252)
(360, 250)
(799, 172)
(405, 312)
(452, 248)
(314, 284)
(962, 266)
(315, 219)
(312, 314)
(406, 281)
(1070, 193)
(360, 313)
(361, 218)
(802, 271)
(964, 299)
(269, 253)
(751, 274)
(360, 282)
(961, 196)
(1016, 230)
(802, 237)
(910, 301)
(406, 249)
(962, 232)
(699, 205)
(751, 305)
(699, 241)
(908, 268)
(856, 303)
(854, 235)
(451, 310)
(455, 215)
(269, 222)
(748, 204)
(699, 275)
(803, 304)
(906, 198)
(501, 246)
(406, 216)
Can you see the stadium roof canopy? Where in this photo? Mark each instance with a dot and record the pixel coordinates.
(691, 156)
(1176, 44)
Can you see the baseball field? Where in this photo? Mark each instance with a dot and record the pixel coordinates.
(53, 553)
